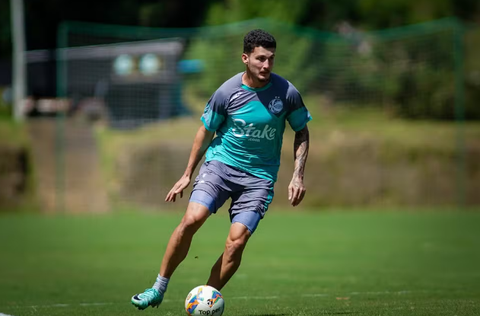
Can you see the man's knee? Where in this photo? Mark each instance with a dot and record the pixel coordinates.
(235, 247)
(194, 218)
(237, 239)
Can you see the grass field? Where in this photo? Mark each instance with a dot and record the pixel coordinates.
(327, 263)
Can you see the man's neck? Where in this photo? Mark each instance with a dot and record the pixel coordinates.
(252, 82)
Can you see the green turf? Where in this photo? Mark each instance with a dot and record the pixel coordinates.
(330, 263)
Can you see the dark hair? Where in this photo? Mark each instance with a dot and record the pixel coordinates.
(256, 38)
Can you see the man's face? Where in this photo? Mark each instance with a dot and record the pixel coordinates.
(260, 62)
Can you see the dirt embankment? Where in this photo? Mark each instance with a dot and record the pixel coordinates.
(14, 175)
(342, 170)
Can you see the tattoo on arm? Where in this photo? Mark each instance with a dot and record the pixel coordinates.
(300, 151)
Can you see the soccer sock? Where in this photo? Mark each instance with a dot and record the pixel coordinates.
(161, 284)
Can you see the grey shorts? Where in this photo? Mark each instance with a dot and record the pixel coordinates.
(251, 196)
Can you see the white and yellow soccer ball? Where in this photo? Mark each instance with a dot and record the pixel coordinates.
(204, 300)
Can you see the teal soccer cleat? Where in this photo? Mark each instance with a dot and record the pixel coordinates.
(151, 297)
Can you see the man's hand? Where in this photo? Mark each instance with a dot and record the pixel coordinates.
(296, 191)
(178, 189)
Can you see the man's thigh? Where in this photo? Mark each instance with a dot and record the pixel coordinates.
(250, 205)
(211, 188)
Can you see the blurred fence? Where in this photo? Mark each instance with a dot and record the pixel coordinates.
(132, 78)
(412, 69)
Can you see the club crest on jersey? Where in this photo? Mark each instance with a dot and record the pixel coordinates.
(276, 105)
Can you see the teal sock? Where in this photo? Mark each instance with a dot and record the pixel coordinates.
(161, 284)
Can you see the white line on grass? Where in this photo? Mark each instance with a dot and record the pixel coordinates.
(232, 298)
(59, 305)
(358, 293)
(315, 295)
(94, 304)
(255, 297)
(379, 293)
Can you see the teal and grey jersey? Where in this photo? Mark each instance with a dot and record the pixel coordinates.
(249, 124)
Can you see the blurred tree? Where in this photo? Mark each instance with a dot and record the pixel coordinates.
(422, 84)
(238, 10)
(401, 12)
(43, 17)
(5, 29)
(326, 14)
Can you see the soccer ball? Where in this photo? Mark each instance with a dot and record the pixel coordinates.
(204, 300)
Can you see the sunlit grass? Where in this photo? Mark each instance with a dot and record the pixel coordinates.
(307, 263)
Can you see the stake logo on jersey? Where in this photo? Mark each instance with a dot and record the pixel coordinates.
(242, 129)
(276, 105)
(249, 124)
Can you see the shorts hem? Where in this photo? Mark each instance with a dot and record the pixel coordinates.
(248, 228)
(251, 226)
(202, 203)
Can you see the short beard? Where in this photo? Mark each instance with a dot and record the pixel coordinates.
(263, 80)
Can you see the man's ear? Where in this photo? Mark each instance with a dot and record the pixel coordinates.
(245, 58)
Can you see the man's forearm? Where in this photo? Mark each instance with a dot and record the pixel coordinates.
(300, 151)
(203, 138)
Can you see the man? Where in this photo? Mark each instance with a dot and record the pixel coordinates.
(247, 114)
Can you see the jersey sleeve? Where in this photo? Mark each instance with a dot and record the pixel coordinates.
(215, 111)
(298, 115)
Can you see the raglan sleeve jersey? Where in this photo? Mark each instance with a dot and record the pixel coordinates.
(249, 124)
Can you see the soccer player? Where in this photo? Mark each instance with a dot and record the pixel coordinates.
(248, 115)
